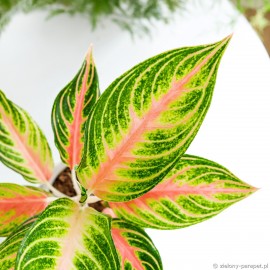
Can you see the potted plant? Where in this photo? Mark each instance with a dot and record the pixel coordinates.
(125, 152)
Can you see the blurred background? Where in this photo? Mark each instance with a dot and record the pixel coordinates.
(43, 43)
(136, 17)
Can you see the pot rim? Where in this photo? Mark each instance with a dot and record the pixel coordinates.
(58, 168)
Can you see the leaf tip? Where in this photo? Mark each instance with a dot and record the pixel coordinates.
(229, 36)
(254, 189)
(89, 52)
(251, 190)
(227, 39)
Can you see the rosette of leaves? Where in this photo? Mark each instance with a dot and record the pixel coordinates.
(126, 149)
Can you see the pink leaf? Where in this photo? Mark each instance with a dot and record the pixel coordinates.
(11, 245)
(146, 119)
(135, 248)
(68, 236)
(18, 203)
(71, 109)
(23, 146)
(195, 190)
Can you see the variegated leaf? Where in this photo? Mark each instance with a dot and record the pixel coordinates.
(136, 250)
(10, 247)
(71, 109)
(68, 236)
(144, 122)
(195, 190)
(23, 146)
(17, 204)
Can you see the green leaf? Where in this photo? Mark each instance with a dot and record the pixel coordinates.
(136, 250)
(195, 190)
(146, 119)
(71, 109)
(19, 203)
(10, 247)
(23, 146)
(68, 236)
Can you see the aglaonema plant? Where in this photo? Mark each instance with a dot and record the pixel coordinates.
(126, 149)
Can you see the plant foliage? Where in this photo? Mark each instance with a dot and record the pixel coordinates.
(126, 149)
(133, 16)
(130, 15)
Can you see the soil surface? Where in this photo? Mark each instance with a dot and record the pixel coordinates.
(63, 183)
(99, 206)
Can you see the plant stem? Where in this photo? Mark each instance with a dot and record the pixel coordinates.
(51, 199)
(92, 199)
(75, 183)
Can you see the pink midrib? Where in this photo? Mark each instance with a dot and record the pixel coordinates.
(76, 145)
(169, 189)
(76, 223)
(41, 173)
(139, 125)
(126, 253)
(174, 190)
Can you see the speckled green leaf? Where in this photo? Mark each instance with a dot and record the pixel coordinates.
(136, 250)
(68, 236)
(23, 146)
(10, 247)
(146, 119)
(195, 190)
(19, 203)
(71, 109)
